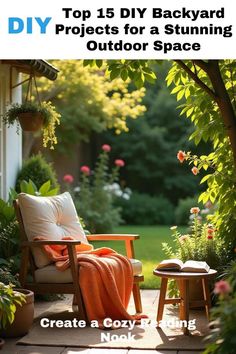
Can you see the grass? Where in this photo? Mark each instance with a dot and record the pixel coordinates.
(147, 249)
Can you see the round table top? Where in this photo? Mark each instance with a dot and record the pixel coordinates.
(183, 275)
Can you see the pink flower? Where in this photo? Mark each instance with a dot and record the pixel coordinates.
(194, 210)
(183, 238)
(195, 170)
(106, 147)
(181, 156)
(68, 179)
(222, 287)
(119, 163)
(85, 169)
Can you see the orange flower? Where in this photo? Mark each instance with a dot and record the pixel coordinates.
(181, 156)
(195, 170)
(194, 210)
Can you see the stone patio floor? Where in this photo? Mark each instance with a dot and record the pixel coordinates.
(10, 346)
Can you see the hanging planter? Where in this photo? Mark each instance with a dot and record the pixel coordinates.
(32, 116)
(31, 122)
(28, 115)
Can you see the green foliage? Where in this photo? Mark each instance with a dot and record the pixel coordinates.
(222, 337)
(183, 208)
(38, 170)
(49, 114)
(151, 145)
(44, 191)
(8, 301)
(202, 243)
(89, 102)
(143, 209)
(138, 71)
(202, 107)
(7, 275)
(206, 117)
(94, 202)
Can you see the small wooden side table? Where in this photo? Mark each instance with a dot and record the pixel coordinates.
(182, 279)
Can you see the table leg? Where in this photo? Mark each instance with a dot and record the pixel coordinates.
(207, 297)
(162, 297)
(185, 304)
(180, 284)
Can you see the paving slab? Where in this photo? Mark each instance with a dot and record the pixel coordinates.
(138, 351)
(17, 349)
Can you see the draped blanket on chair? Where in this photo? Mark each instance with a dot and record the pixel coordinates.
(105, 278)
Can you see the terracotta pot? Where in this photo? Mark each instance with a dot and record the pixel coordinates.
(24, 316)
(1, 343)
(31, 122)
(195, 291)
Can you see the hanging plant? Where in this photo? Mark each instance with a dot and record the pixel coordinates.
(33, 116)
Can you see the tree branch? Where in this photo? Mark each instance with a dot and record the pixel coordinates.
(196, 79)
(202, 64)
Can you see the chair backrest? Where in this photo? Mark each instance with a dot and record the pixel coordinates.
(52, 217)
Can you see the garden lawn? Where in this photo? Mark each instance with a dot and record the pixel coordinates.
(148, 248)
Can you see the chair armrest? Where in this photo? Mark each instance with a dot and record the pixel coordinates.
(50, 242)
(128, 238)
(112, 237)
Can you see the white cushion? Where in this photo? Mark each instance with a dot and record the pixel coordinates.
(50, 274)
(51, 217)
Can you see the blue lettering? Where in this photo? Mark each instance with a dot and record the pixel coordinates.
(15, 25)
(43, 24)
(29, 24)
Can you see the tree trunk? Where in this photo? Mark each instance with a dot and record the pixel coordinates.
(224, 103)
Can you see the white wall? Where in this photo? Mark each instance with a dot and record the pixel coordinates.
(10, 141)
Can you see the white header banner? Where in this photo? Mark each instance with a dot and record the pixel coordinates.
(134, 29)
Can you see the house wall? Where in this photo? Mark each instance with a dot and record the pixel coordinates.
(10, 141)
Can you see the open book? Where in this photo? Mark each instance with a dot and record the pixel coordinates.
(188, 266)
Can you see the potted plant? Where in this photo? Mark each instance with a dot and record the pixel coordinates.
(32, 116)
(15, 304)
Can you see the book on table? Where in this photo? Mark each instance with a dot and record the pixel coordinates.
(188, 266)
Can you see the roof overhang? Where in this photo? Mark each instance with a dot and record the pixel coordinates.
(38, 67)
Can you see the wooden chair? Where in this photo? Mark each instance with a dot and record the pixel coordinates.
(28, 265)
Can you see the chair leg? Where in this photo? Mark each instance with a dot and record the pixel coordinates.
(78, 302)
(137, 298)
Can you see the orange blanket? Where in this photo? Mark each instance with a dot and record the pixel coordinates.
(105, 278)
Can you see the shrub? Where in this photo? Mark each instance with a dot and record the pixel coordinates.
(182, 210)
(94, 198)
(222, 335)
(38, 170)
(202, 243)
(143, 209)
